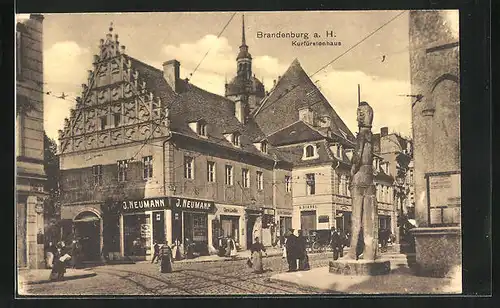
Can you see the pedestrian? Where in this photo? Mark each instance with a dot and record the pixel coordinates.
(291, 243)
(256, 250)
(301, 252)
(227, 252)
(76, 253)
(60, 259)
(189, 250)
(335, 243)
(165, 258)
(284, 247)
(50, 252)
(156, 252)
(232, 245)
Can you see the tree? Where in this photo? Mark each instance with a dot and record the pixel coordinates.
(52, 210)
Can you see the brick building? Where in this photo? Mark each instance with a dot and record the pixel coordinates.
(30, 174)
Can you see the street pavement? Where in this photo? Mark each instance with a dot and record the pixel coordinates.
(188, 279)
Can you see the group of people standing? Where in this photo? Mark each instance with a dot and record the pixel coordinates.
(295, 251)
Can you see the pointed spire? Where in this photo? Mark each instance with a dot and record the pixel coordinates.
(243, 40)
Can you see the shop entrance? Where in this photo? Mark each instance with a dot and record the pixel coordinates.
(87, 229)
(159, 227)
(250, 224)
(230, 227)
(196, 231)
(307, 221)
(137, 235)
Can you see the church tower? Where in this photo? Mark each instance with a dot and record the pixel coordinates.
(245, 87)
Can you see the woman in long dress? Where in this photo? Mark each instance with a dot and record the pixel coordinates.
(166, 258)
(256, 249)
(233, 250)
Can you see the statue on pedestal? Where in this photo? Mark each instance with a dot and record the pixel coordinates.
(363, 191)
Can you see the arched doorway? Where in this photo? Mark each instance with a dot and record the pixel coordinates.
(87, 229)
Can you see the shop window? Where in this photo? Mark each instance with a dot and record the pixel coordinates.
(310, 184)
(245, 178)
(122, 170)
(288, 183)
(188, 167)
(211, 171)
(148, 167)
(260, 180)
(229, 175)
(196, 230)
(137, 234)
(97, 175)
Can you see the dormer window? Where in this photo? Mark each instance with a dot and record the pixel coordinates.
(103, 122)
(199, 127)
(310, 152)
(263, 146)
(235, 139)
(202, 128)
(117, 119)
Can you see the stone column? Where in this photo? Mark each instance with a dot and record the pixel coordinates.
(168, 226)
(211, 248)
(35, 226)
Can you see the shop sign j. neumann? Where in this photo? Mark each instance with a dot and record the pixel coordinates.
(149, 204)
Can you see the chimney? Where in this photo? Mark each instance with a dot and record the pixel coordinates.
(384, 131)
(171, 73)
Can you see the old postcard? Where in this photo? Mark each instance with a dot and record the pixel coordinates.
(229, 153)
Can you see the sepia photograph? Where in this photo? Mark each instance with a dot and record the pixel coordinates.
(200, 154)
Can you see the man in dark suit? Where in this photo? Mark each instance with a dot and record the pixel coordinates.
(291, 251)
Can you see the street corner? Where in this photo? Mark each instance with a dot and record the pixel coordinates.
(41, 276)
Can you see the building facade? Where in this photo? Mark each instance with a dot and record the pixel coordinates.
(146, 156)
(30, 173)
(434, 59)
(301, 123)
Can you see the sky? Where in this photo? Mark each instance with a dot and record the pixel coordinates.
(380, 64)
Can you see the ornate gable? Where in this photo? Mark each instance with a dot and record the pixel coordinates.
(116, 105)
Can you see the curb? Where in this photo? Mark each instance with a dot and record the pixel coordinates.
(91, 274)
(309, 288)
(224, 259)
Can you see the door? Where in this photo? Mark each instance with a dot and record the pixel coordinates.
(307, 221)
(87, 228)
(159, 227)
(250, 225)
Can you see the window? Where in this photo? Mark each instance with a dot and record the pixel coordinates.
(229, 175)
(97, 174)
(188, 167)
(263, 147)
(202, 129)
(288, 184)
(211, 171)
(148, 166)
(236, 139)
(260, 180)
(309, 151)
(245, 178)
(311, 185)
(343, 185)
(122, 170)
(103, 121)
(117, 118)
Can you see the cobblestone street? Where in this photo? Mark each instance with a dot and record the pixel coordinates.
(188, 279)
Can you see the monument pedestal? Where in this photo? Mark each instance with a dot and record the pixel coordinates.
(360, 267)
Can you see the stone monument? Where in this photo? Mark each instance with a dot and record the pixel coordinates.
(364, 230)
